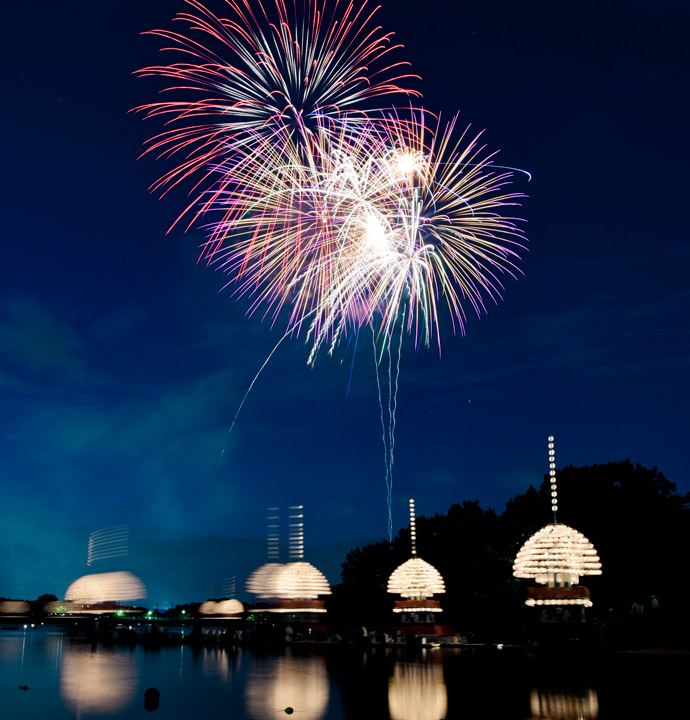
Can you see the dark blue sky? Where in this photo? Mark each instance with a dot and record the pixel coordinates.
(122, 365)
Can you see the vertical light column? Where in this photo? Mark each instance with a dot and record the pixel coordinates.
(108, 543)
(229, 587)
(296, 533)
(413, 528)
(552, 473)
(273, 535)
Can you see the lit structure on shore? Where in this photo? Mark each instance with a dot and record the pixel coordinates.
(227, 609)
(556, 556)
(100, 593)
(260, 582)
(416, 580)
(101, 589)
(295, 586)
(14, 607)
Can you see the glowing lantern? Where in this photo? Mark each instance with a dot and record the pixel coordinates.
(416, 580)
(262, 581)
(301, 580)
(296, 585)
(556, 556)
(222, 607)
(106, 587)
(15, 607)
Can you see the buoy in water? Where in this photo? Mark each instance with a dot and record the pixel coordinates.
(152, 698)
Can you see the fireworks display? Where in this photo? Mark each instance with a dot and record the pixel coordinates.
(279, 66)
(327, 214)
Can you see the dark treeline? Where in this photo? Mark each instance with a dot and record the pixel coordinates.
(634, 517)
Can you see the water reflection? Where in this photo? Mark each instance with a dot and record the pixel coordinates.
(564, 705)
(216, 663)
(96, 681)
(66, 678)
(300, 683)
(417, 691)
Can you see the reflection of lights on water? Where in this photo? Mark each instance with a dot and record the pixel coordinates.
(215, 661)
(417, 692)
(96, 682)
(298, 683)
(561, 705)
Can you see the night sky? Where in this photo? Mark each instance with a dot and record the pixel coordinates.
(122, 363)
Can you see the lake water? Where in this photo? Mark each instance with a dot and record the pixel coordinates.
(70, 678)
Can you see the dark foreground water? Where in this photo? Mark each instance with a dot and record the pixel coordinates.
(68, 678)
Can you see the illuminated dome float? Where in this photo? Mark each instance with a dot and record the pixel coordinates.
(104, 592)
(416, 581)
(294, 587)
(555, 557)
(231, 609)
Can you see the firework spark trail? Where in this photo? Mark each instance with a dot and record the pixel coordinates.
(389, 428)
(395, 397)
(385, 438)
(251, 385)
(388, 431)
(276, 68)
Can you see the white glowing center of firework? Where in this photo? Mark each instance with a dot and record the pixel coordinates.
(375, 235)
(407, 163)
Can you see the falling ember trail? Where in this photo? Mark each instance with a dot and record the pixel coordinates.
(249, 389)
(385, 436)
(388, 417)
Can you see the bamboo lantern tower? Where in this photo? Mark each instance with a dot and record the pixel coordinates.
(416, 580)
(296, 586)
(556, 556)
(260, 582)
(299, 584)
